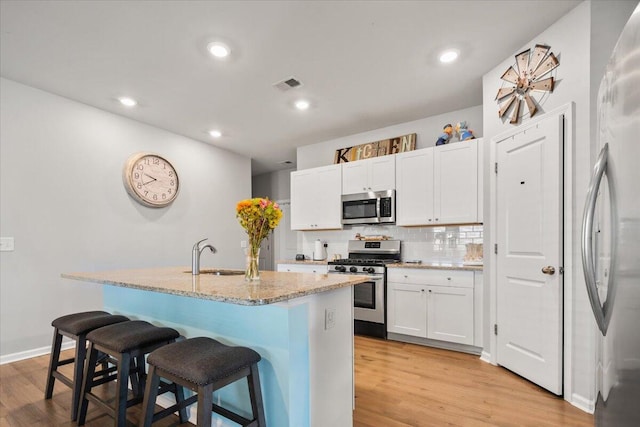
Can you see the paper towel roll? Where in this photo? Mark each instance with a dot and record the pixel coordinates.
(319, 252)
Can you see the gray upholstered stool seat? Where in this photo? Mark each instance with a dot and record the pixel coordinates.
(204, 365)
(75, 326)
(126, 344)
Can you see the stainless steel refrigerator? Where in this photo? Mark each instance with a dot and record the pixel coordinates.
(611, 235)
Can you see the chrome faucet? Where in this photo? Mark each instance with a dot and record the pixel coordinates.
(195, 256)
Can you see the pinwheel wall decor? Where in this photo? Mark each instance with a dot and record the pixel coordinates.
(528, 75)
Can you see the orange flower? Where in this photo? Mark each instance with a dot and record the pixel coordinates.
(258, 216)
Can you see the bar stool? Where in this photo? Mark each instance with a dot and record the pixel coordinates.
(126, 344)
(75, 326)
(203, 365)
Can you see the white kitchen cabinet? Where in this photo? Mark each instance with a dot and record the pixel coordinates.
(438, 185)
(375, 174)
(414, 187)
(432, 304)
(455, 183)
(406, 309)
(304, 268)
(450, 314)
(315, 198)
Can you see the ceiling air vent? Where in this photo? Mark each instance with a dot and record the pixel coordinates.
(286, 84)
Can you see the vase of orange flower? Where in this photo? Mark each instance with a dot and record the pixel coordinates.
(258, 216)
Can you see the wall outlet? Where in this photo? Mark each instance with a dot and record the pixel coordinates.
(243, 244)
(6, 244)
(329, 318)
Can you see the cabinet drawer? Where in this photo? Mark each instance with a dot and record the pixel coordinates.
(301, 268)
(419, 276)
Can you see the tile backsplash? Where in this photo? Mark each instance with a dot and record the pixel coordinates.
(428, 244)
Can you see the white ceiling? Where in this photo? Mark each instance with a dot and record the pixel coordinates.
(363, 64)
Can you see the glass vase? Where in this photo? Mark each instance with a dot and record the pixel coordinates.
(252, 272)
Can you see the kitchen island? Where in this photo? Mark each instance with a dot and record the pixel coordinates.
(300, 323)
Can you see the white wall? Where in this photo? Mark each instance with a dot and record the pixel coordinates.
(62, 199)
(428, 130)
(582, 40)
(274, 185)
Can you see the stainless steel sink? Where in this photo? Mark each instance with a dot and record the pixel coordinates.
(220, 272)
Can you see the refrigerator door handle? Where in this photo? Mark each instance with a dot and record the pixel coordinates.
(602, 312)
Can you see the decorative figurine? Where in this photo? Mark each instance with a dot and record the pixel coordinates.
(446, 134)
(463, 133)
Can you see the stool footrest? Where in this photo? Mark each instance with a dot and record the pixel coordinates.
(61, 377)
(171, 409)
(66, 361)
(231, 415)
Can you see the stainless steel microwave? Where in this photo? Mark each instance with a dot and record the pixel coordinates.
(373, 207)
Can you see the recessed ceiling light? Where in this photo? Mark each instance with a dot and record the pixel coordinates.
(215, 133)
(129, 102)
(219, 50)
(449, 56)
(302, 104)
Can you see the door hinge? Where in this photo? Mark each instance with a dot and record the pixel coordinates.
(495, 329)
(495, 248)
(495, 167)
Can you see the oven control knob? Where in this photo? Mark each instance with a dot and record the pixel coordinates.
(353, 270)
(369, 270)
(341, 268)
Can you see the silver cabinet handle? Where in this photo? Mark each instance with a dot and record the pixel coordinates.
(602, 312)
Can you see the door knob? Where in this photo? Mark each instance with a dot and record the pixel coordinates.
(548, 270)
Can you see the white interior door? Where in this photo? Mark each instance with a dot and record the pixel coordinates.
(529, 237)
(285, 240)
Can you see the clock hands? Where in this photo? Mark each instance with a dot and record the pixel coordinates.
(148, 182)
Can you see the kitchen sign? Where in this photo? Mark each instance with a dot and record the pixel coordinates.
(399, 144)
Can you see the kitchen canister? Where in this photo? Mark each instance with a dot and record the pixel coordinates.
(320, 251)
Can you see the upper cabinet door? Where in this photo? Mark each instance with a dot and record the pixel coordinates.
(375, 174)
(414, 187)
(355, 177)
(382, 173)
(456, 183)
(315, 198)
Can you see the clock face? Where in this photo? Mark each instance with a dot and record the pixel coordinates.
(529, 76)
(150, 180)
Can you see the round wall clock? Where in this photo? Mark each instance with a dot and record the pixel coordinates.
(525, 78)
(150, 179)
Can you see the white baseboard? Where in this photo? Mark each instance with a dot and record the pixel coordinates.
(485, 356)
(580, 402)
(15, 357)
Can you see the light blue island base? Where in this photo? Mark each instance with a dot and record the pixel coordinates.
(306, 345)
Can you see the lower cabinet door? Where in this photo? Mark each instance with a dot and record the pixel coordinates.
(407, 309)
(450, 314)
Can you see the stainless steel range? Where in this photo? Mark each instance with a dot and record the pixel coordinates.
(369, 258)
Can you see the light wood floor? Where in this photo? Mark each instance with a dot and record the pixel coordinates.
(397, 385)
(401, 385)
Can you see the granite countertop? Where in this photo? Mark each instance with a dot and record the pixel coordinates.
(424, 265)
(305, 262)
(437, 266)
(272, 286)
